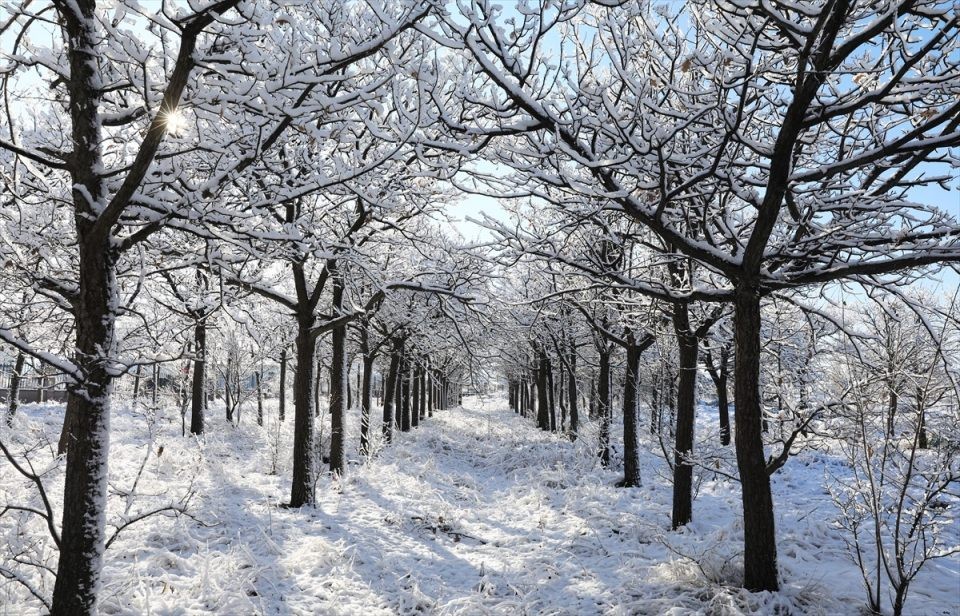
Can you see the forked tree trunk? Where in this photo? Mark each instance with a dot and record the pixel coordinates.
(199, 376)
(760, 542)
(686, 408)
(718, 374)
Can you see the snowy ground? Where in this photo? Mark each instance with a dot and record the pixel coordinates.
(474, 512)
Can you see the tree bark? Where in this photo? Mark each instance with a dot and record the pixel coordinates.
(552, 398)
(572, 392)
(259, 399)
(199, 376)
(603, 405)
(304, 465)
(366, 389)
(760, 543)
(543, 404)
(282, 394)
(686, 409)
(415, 397)
(631, 444)
(14, 393)
(405, 396)
(390, 393)
(718, 374)
(339, 385)
(85, 488)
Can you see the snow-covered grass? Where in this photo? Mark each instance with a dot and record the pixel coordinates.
(474, 512)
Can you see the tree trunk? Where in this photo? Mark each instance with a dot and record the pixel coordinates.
(552, 398)
(686, 409)
(304, 465)
(199, 376)
(543, 403)
(339, 386)
(85, 487)
(390, 393)
(259, 399)
(423, 394)
(415, 398)
(14, 402)
(136, 383)
(719, 376)
(603, 406)
(228, 388)
(282, 394)
(405, 396)
(366, 388)
(631, 445)
(431, 401)
(760, 543)
(572, 392)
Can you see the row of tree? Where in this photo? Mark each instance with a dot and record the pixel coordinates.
(688, 164)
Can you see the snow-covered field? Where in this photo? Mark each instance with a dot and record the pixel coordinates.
(474, 512)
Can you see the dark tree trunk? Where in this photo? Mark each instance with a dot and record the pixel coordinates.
(15, 378)
(405, 397)
(304, 465)
(922, 441)
(423, 394)
(70, 425)
(349, 389)
(592, 408)
(199, 376)
(415, 398)
(339, 386)
(390, 393)
(228, 388)
(282, 402)
(718, 374)
(431, 392)
(760, 542)
(85, 486)
(686, 408)
(572, 392)
(543, 404)
(366, 388)
(552, 398)
(259, 399)
(631, 445)
(603, 405)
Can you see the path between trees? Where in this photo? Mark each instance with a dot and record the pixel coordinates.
(474, 512)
